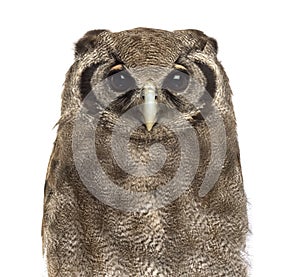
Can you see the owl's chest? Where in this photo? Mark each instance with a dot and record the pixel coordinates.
(154, 242)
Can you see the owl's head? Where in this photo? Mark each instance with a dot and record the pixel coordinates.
(152, 71)
(144, 102)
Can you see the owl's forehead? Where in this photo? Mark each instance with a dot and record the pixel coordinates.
(143, 47)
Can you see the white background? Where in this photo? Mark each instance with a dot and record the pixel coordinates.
(259, 48)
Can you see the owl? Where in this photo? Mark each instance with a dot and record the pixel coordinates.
(145, 177)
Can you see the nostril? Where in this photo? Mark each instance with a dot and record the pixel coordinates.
(143, 97)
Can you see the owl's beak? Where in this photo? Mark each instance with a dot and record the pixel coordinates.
(149, 108)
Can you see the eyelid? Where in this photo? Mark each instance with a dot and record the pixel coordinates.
(115, 69)
(181, 68)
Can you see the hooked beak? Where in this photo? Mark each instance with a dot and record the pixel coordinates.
(149, 108)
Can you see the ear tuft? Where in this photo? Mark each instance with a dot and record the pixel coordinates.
(87, 42)
(195, 39)
(211, 47)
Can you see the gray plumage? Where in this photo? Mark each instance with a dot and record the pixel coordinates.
(195, 234)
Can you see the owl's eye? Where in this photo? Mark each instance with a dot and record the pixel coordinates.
(176, 81)
(121, 81)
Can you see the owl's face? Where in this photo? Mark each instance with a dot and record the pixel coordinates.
(133, 90)
(152, 71)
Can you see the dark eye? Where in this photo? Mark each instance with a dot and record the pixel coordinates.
(176, 81)
(121, 81)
